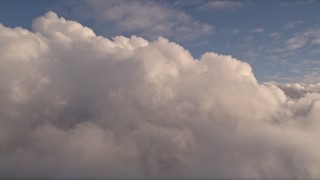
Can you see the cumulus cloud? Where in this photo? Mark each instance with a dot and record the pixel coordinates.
(73, 104)
(297, 91)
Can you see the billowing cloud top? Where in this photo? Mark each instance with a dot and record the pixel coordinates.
(73, 104)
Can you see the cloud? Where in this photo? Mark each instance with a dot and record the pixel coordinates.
(304, 2)
(235, 31)
(298, 91)
(301, 39)
(249, 38)
(283, 5)
(222, 5)
(275, 35)
(77, 105)
(308, 39)
(297, 3)
(296, 42)
(292, 24)
(257, 30)
(144, 18)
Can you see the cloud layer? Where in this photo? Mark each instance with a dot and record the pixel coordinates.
(73, 104)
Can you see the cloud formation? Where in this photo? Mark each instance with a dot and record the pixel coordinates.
(257, 30)
(222, 5)
(292, 24)
(235, 31)
(144, 18)
(301, 39)
(73, 104)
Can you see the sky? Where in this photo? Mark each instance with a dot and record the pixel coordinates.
(280, 39)
(159, 90)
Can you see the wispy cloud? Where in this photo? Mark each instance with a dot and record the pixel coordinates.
(288, 47)
(149, 19)
(275, 35)
(235, 31)
(283, 5)
(292, 24)
(257, 30)
(297, 42)
(222, 5)
(312, 77)
(301, 39)
(303, 2)
(249, 38)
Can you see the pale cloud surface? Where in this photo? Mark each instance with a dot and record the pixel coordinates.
(79, 100)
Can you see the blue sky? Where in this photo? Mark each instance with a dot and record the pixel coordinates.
(280, 39)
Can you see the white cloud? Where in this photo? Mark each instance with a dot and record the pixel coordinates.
(301, 39)
(149, 19)
(296, 42)
(222, 5)
(283, 5)
(292, 24)
(304, 2)
(77, 105)
(249, 38)
(257, 30)
(308, 38)
(275, 35)
(235, 31)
